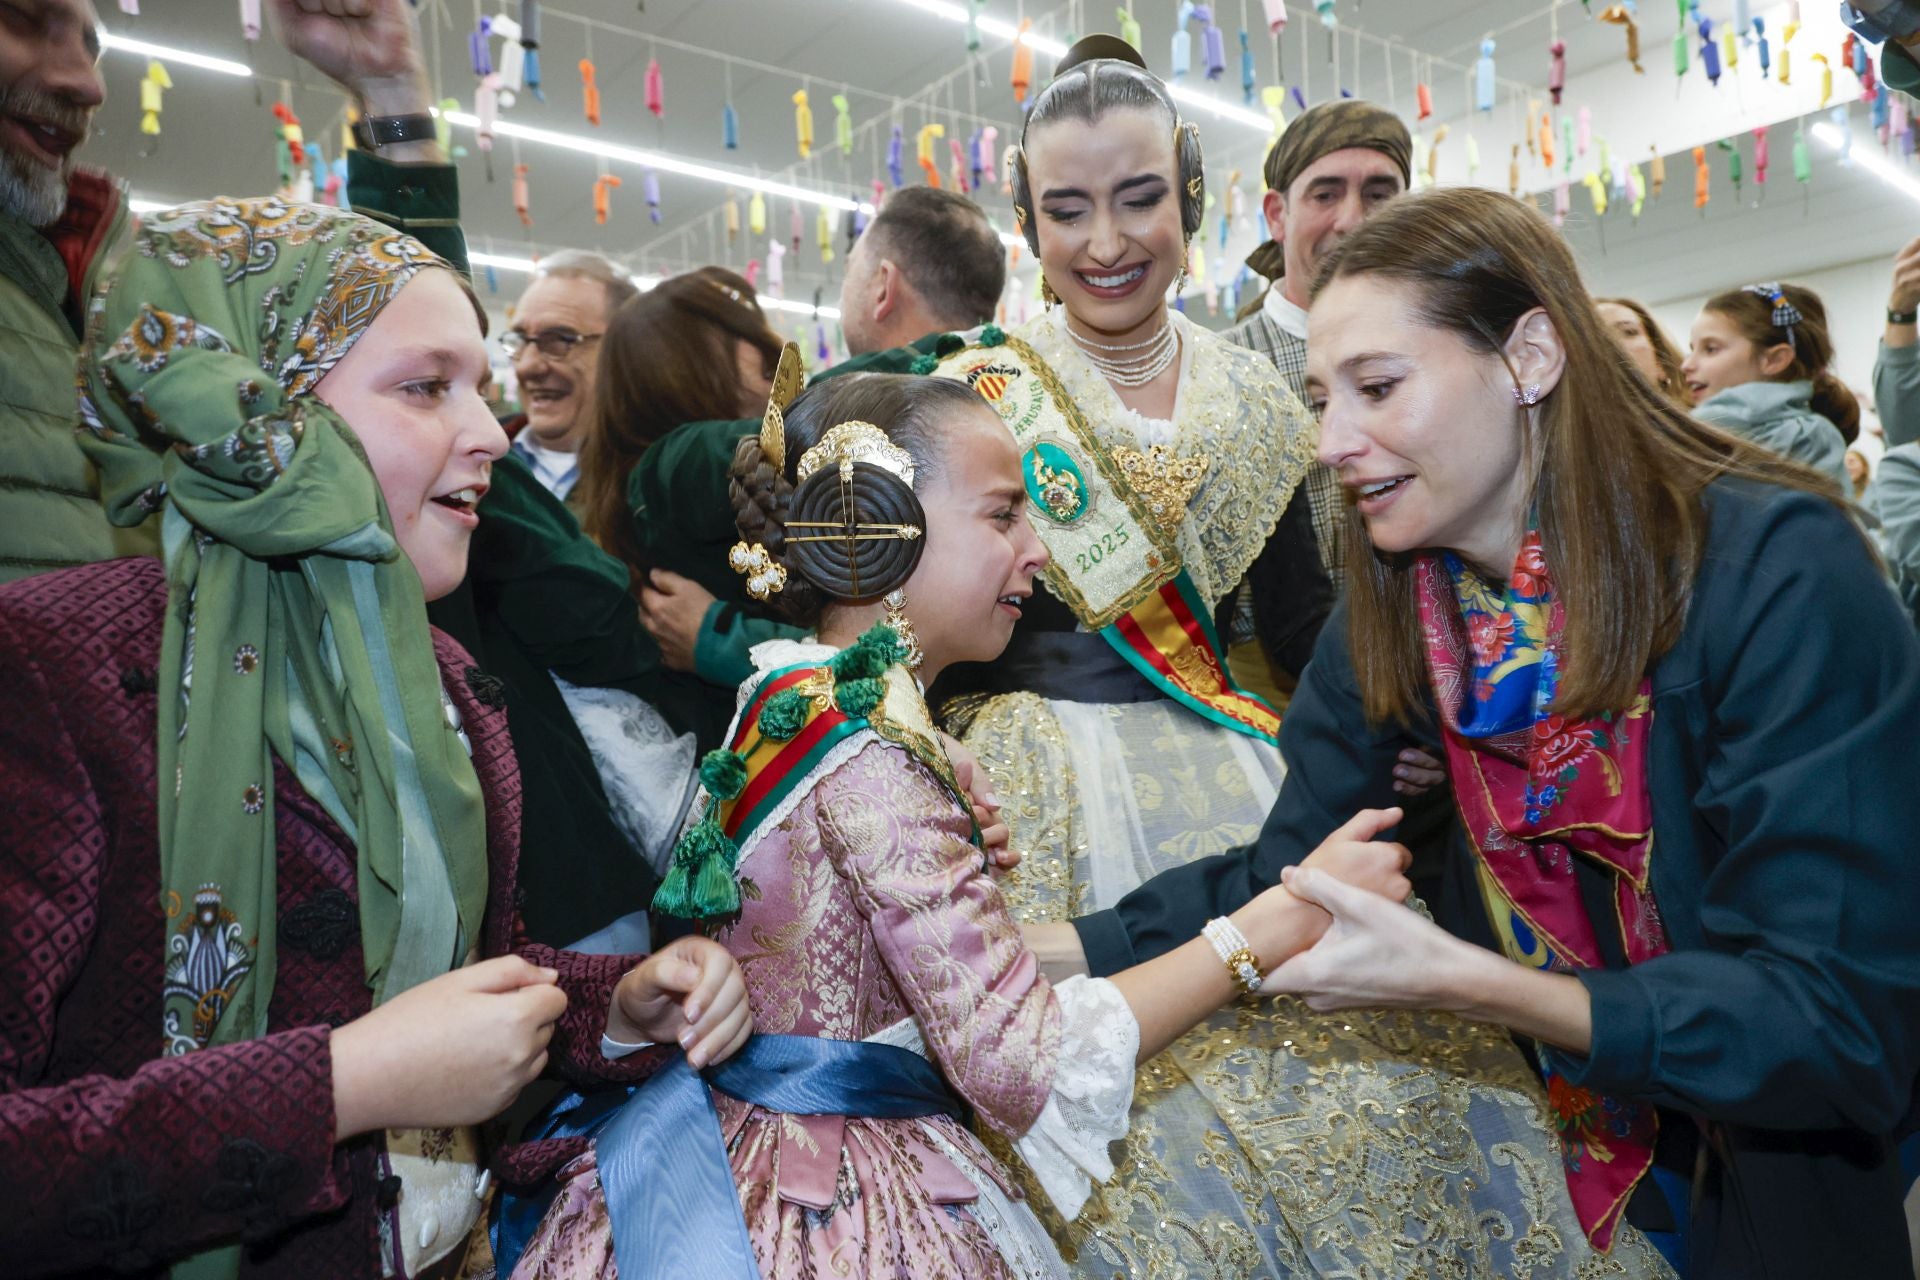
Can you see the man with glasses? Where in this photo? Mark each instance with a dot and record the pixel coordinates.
(555, 346)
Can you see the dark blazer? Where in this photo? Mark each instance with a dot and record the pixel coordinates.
(1786, 867)
(110, 1155)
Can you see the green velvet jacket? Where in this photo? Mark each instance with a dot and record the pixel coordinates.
(1786, 1018)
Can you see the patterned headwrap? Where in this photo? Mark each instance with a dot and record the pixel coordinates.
(295, 627)
(1319, 132)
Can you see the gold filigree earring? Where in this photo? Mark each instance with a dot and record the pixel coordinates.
(896, 618)
(1047, 295)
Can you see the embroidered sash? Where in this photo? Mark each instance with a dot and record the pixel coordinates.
(1108, 523)
(1535, 792)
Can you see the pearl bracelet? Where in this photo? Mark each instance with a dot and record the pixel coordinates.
(1235, 952)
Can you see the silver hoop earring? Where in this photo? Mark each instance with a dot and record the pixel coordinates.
(1529, 395)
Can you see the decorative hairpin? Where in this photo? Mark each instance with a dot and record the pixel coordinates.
(765, 576)
(789, 379)
(1785, 314)
(851, 442)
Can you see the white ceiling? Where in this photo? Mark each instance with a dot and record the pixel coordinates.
(216, 139)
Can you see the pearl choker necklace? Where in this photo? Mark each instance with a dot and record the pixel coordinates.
(1155, 355)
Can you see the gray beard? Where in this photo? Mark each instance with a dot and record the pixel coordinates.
(31, 192)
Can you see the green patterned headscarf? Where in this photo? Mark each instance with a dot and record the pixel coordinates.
(295, 626)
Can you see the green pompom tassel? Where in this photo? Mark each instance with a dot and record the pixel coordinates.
(869, 657)
(992, 335)
(784, 715)
(924, 365)
(948, 343)
(723, 773)
(700, 882)
(858, 698)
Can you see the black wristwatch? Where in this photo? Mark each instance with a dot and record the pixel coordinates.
(374, 132)
(1901, 317)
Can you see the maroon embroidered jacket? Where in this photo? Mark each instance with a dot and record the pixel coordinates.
(110, 1155)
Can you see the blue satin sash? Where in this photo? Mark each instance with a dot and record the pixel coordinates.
(663, 1160)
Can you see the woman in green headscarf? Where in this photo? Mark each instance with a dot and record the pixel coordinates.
(258, 808)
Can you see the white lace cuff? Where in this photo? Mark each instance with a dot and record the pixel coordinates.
(1091, 1094)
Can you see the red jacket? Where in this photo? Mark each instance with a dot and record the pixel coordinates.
(111, 1156)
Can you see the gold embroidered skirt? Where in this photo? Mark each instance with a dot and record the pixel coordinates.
(1271, 1140)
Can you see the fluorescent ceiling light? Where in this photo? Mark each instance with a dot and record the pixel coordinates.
(224, 66)
(1870, 160)
(1053, 48)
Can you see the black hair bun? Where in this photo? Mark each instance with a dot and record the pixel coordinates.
(1094, 47)
(860, 571)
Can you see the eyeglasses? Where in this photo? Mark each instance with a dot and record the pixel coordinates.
(554, 344)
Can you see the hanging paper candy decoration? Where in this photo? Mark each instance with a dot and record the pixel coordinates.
(590, 91)
(250, 20)
(985, 143)
(1473, 157)
(923, 151)
(530, 45)
(1513, 172)
(842, 124)
(1423, 99)
(795, 226)
(1882, 116)
(1533, 113)
(1182, 54)
(1802, 161)
(656, 88)
(821, 351)
(1022, 77)
(1561, 203)
(776, 269)
(1843, 119)
(957, 166)
(733, 216)
(1596, 192)
(1433, 154)
(1900, 118)
(1273, 97)
(1709, 52)
(486, 108)
(512, 61)
(1556, 70)
(603, 197)
(879, 193)
(1213, 41)
(1762, 47)
(1702, 179)
(1299, 98)
(753, 274)
(823, 234)
(1826, 77)
(1760, 156)
(1606, 161)
(334, 183)
(757, 214)
(1585, 130)
(1276, 16)
(802, 123)
(973, 24)
(1566, 143)
(650, 187)
(729, 128)
(479, 52)
(1636, 189)
(1247, 83)
(289, 132)
(1484, 81)
(1734, 170)
(1324, 8)
(895, 170)
(1546, 140)
(152, 86)
(520, 200)
(1129, 27)
(1658, 170)
(1865, 71)
(1680, 59)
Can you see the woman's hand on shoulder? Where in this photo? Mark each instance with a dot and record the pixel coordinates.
(452, 1051)
(995, 836)
(690, 993)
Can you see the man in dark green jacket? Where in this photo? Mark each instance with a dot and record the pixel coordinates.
(61, 225)
(929, 265)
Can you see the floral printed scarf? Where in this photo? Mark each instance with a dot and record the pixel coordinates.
(1537, 791)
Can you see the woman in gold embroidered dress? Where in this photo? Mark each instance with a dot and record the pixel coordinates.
(1270, 1140)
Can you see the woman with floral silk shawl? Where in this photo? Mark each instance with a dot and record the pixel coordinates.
(263, 824)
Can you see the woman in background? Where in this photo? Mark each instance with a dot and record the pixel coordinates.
(1647, 344)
